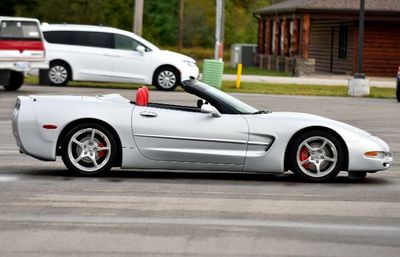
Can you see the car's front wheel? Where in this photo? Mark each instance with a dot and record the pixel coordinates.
(398, 90)
(89, 149)
(317, 156)
(59, 73)
(166, 78)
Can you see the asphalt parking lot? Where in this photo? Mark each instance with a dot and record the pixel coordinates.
(46, 211)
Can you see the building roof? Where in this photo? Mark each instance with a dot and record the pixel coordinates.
(349, 6)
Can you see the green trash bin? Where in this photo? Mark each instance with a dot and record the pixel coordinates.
(212, 72)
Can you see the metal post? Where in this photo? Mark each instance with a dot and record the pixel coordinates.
(181, 10)
(219, 29)
(138, 17)
(359, 74)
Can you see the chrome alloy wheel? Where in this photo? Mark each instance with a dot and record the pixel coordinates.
(58, 74)
(89, 150)
(317, 156)
(166, 79)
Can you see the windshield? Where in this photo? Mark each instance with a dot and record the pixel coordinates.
(227, 99)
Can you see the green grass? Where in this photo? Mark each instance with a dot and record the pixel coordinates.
(255, 88)
(249, 71)
(293, 89)
(255, 71)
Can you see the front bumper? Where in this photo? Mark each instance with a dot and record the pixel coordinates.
(188, 72)
(358, 161)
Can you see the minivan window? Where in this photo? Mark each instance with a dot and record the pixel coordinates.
(94, 39)
(58, 37)
(81, 38)
(19, 30)
(126, 43)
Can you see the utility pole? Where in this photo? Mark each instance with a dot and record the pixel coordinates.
(359, 85)
(138, 17)
(359, 74)
(219, 30)
(181, 7)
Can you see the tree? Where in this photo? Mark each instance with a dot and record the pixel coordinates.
(160, 21)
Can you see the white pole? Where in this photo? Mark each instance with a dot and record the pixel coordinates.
(138, 17)
(219, 29)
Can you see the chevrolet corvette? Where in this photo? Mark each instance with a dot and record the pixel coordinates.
(92, 134)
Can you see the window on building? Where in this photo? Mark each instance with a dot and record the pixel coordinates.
(343, 39)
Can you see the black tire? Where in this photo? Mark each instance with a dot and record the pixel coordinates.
(44, 77)
(357, 175)
(59, 73)
(329, 159)
(398, 90)
(15, 81)
(90, 149)
(166, 78)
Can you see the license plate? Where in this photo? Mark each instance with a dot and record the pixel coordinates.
(21, 66)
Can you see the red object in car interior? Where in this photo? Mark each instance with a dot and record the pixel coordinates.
(21, 45)
(142, 96)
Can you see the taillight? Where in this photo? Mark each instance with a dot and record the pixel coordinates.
(398, 72)
(16, 108)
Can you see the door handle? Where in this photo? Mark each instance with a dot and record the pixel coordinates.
(148, 114)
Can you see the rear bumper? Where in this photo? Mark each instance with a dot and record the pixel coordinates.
(27, 132)
(23, 66)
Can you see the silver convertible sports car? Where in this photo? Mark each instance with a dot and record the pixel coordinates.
(92, 134)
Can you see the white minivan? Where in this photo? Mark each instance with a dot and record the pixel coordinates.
(105, 54)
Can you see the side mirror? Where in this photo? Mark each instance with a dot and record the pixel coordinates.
(207, 108)
(141, 49)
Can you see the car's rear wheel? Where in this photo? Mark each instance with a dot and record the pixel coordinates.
(89, 149)
(59, 73)
(166, 78)
(398, 90)
(316, 156)
(16, 79)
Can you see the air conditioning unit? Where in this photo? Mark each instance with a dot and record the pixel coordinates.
(243, 53)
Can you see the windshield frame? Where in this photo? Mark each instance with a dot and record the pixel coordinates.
(225, 103)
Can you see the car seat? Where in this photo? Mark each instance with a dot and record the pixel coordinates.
(142, 96)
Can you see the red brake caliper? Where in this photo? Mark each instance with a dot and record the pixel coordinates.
(304, 154)
(101, 153)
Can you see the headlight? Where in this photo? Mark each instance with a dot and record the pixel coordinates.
(377, 154)
(190, 63)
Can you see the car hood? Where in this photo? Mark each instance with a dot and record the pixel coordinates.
(174, 55)
(301, 117)
(292, 122)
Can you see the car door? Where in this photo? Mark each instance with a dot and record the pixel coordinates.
(129, 65)
(90, 54)
(189, 136)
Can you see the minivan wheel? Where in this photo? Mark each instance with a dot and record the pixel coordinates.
(59, 74)
(16, 80)
(166, 78)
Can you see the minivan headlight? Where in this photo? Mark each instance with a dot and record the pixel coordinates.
(190, 63)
